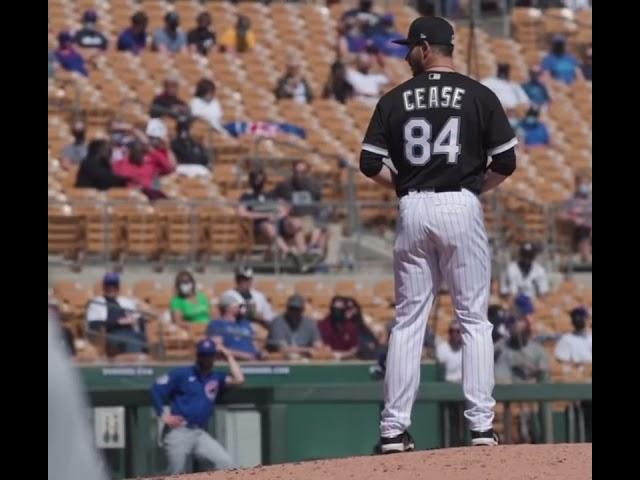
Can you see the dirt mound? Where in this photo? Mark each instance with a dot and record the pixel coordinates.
(508, 462)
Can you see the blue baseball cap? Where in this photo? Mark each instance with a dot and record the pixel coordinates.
(111, 278)
(579, 312)
(206, 348)
(524, 304)
(64, 37)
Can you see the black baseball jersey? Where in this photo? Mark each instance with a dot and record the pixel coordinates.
(438, 129)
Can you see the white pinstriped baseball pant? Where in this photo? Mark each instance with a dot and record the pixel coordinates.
(440, 236)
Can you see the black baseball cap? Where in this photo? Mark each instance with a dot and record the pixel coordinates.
(434, 30)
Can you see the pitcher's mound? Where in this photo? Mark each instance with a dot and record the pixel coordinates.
(508, 462)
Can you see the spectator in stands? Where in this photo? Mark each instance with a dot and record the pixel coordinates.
(449, 353)
(134, 38)
(271, 216)
(575, 347)
(121, 134)
(383, 39)
(350, 39)
(118, 315)
(293, 333)
(148, 161)
(498, 317)
(368, 86)
(188, 150)
(89, 36)
(578, 211)
(521, 359)
(535, 89)
(238, 39)
(168, 104)
(258, 307)
(365, 15)
(560, 64)
(337, 85)
(75, 152)
(202, 39)
(170, 38)
(510, 94)
(339, 332)
(68, 57)
(303, 194)
(586, 64)
(188, 304)
(369, 347)
(293, 85)
(533, 130)
(525, 275)
(206, 106)
(233, 329)
(95, 170)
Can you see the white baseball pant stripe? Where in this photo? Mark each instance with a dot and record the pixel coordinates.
(440, 236)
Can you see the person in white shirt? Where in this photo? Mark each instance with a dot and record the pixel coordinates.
(206, 106)
(510, 94)
(367, 86)
(449, 353)
(258, 307)
(119, 316)
(575, 347)
(524, 275)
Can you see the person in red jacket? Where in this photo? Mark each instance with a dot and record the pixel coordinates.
(338, 331)
(147, 161)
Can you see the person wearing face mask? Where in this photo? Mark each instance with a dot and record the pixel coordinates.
(89, 36)
(233, 329)
(575, 348)
(170, 39)
(523, 360)
(96, 171)
(75, 152)
(202, 39)
(294, 334)
(304, 195)
(188, 151)
(368, 86)
(535, 89)
(118, 316)
(293, 84)
(188, 304)
(560, 64)
(148, 158)
(533, 130)
(365, 15)
(206, 106)
(577, 211)
(271, 216)
(524, 275)
(238, 39)
(339, 332)
(134, 38)
(258, 307)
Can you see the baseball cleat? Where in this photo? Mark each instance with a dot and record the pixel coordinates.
(487, 438)
(400, 443)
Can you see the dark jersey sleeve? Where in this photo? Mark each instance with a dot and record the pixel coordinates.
(498, 135)
(375, 140)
